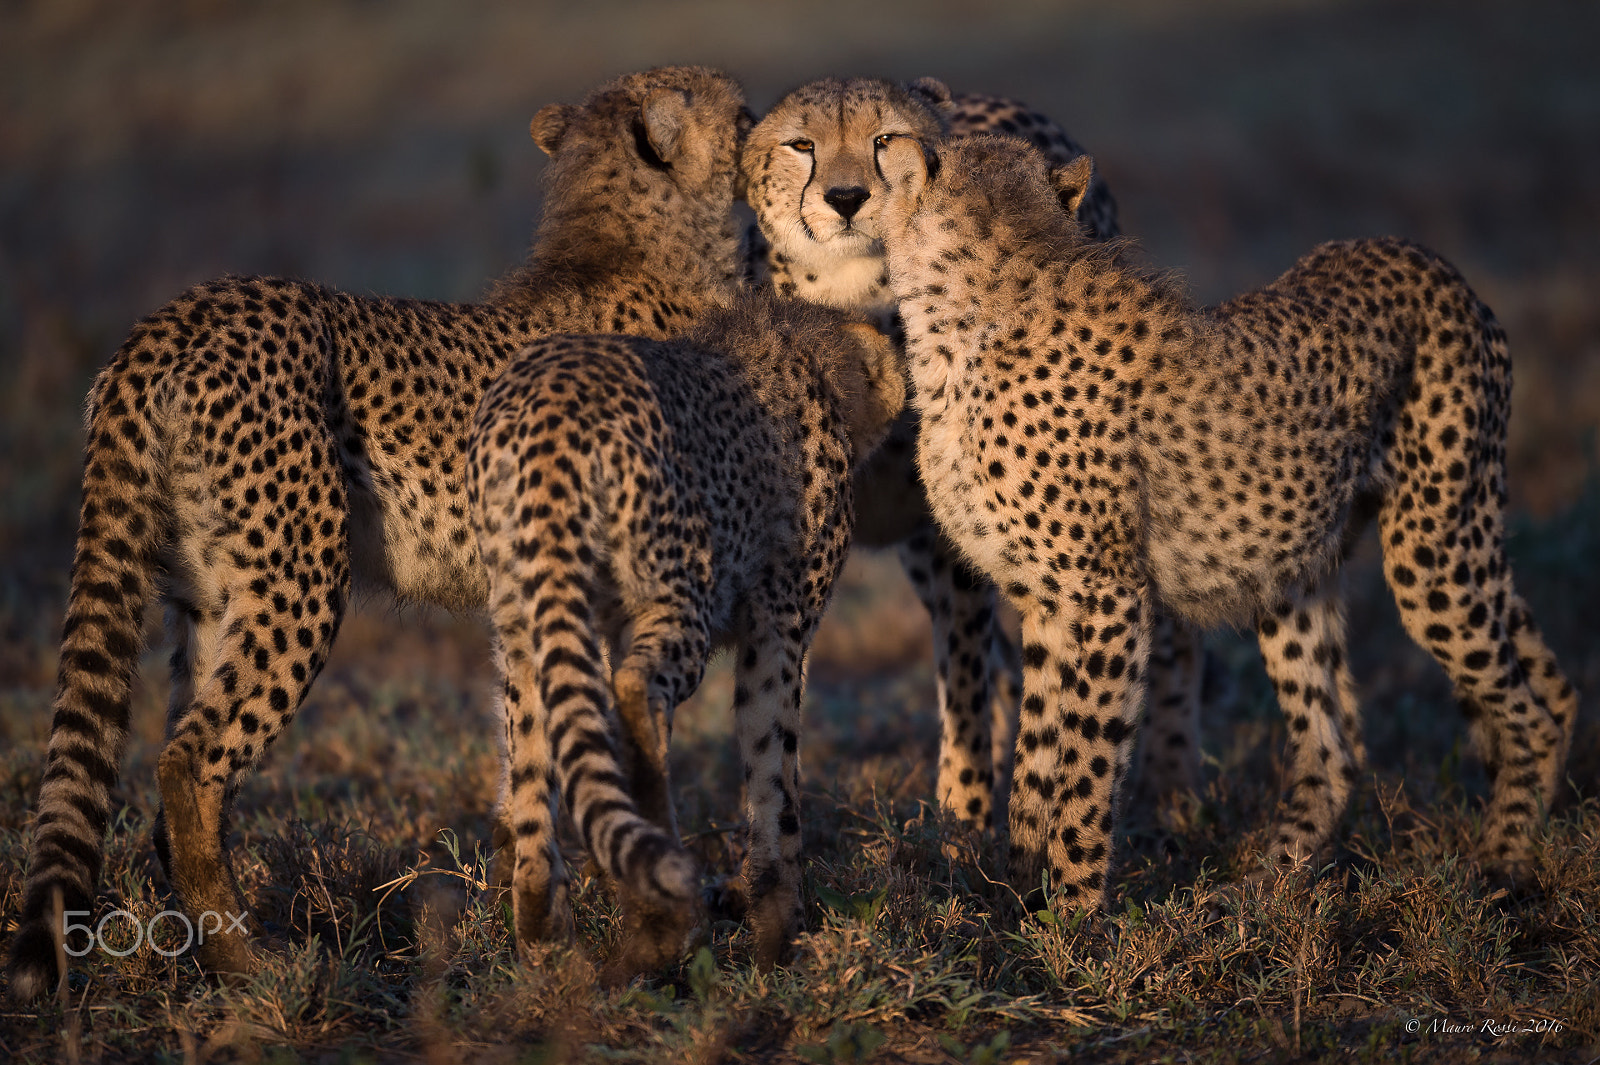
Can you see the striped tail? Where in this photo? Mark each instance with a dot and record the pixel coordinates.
(113, 577)
(560, 711)
(641, 859)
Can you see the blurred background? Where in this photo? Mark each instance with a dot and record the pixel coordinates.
(383, 148)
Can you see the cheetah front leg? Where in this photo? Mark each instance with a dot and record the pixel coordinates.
(769, 685)
(971, 659)
(1083, 691)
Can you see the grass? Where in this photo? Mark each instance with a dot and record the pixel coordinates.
(359, 847)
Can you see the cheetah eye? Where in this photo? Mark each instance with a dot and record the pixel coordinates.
(801, 144)
(882, 140)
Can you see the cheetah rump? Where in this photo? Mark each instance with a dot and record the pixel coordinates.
(258, 444)
(1098, 444)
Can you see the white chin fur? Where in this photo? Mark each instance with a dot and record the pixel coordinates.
(851, 243)
(847, 267)
(847, 281)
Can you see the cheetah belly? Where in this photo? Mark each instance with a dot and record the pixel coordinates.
(1217, 561)
(417, 546)
(1209, 590)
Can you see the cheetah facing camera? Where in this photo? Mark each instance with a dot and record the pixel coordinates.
(663, 496)
(818, 196)
(258, 443)
(1098, 444)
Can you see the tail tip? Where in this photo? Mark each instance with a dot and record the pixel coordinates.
(678, 875)
(31, 972)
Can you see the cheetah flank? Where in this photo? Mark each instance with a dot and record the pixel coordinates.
(667, 496)
(817, 195)
(1098, 444)
(257, 444)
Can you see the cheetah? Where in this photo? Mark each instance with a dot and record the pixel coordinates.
(817, 197)
(1098, 444)
(666, 496)
(258, 445)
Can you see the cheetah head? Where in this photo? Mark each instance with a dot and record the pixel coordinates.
(810, 166)
(666, 139)
(996, 190)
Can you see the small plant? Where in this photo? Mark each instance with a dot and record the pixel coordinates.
(847, 1044)
(990, 1053)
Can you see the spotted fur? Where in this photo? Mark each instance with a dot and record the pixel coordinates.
(813, 181)
(660, 498)
(1098, 444)
(258, 445)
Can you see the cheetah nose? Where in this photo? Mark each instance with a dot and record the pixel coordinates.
(847, 201)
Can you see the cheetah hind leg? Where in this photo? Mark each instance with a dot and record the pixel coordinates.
(1303, 648)
(191, 827)
(769, 686)
(1456, 601)
(528, 872)
(247, 657)
(657, 882)
(661, 666)
(195, 815)
(1520, 718)
(1552, 687)
(219, 735)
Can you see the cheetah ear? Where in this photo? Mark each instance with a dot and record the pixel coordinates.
(907, 161)
(550, 125)
(663, 119)
(931, 91)
(1071, 182)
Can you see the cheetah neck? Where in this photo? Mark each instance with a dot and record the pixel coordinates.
(690, 257)
(940, 315)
